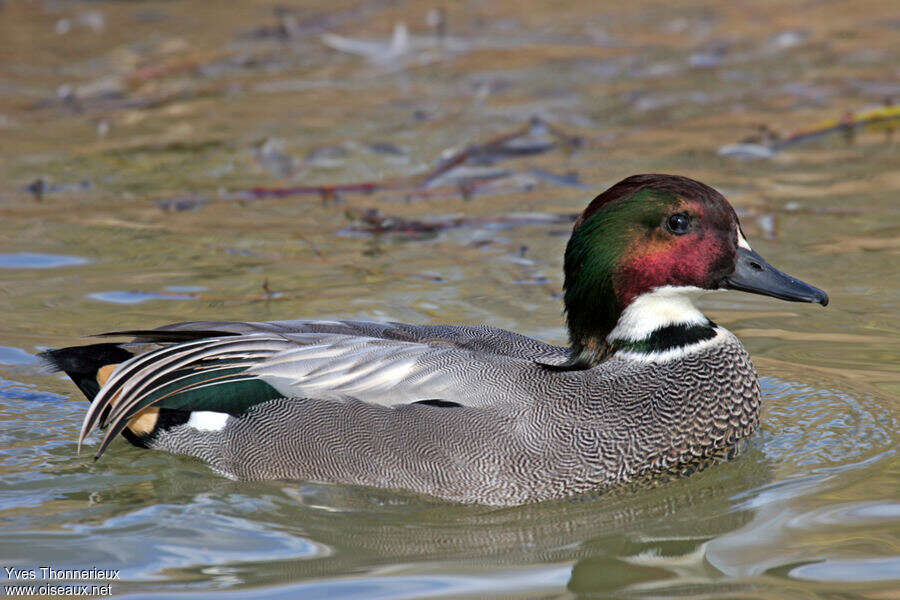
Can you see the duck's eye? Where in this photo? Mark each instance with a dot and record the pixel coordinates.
(679, 223)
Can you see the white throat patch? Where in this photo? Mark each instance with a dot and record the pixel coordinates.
(664, 306)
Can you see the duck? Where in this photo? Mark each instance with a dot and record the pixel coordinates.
(647, 385)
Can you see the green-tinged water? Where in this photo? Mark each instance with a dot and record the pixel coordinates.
(152, 135)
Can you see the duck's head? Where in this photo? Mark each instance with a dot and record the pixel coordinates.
(643, 248)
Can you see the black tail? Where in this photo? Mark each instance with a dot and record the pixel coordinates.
(81, 363)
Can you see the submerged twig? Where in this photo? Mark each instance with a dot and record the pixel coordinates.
(848, 123)
(373, 221)
(423, 185)
(173, 66)
(766, 142)
(501, 146)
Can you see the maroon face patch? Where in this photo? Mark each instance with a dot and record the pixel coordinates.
(701, 258)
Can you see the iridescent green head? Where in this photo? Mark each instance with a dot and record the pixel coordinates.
(650, 234)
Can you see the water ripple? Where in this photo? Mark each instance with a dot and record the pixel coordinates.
(34, 260)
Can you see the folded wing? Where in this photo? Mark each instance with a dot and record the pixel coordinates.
(248, 363)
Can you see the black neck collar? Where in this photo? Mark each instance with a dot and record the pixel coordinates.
(665, 338)
(669, 337)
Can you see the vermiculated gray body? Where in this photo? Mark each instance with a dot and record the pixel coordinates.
(523, 434)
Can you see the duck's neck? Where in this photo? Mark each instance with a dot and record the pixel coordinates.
(663, 322)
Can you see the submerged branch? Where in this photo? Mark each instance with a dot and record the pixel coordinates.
(544, 137)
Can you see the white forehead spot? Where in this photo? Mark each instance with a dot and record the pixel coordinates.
(742, 243)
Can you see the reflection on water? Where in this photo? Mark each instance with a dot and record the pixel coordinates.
(167, 163)
(134, 296)
(15, 356)
(33, 260)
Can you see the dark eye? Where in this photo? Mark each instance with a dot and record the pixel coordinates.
(679, 223)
